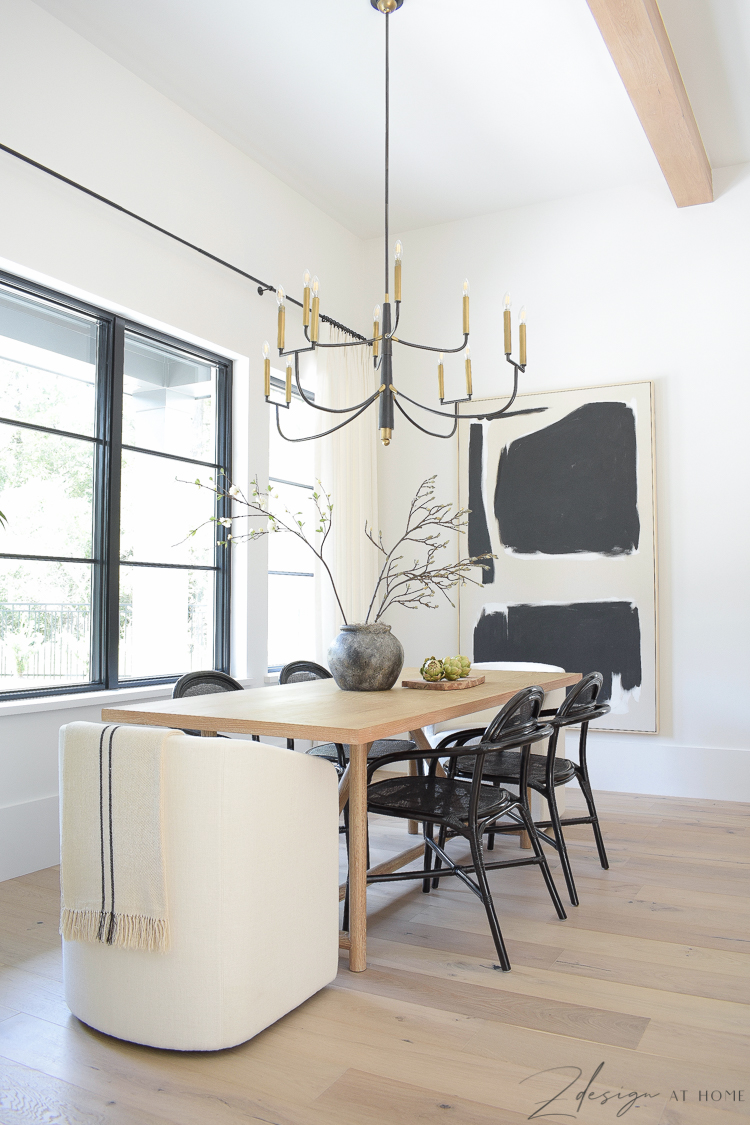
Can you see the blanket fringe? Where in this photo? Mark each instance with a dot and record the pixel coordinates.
(128, 931)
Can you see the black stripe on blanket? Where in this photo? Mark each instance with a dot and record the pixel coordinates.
(104, 923)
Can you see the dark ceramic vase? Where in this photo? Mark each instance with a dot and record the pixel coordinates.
(366, 658)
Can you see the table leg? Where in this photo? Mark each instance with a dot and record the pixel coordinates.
(358, 856)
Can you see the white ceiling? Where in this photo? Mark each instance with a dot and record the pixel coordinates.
(494, 103)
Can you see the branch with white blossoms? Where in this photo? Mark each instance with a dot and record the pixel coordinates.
(279, 519)
(429, 526)
(418, 585)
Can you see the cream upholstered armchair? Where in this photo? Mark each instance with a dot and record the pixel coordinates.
(253, 923)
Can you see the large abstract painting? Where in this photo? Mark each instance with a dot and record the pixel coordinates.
(565, 499)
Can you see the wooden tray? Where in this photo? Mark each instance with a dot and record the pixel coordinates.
(445, 685)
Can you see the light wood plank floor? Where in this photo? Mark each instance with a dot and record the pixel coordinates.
(647, 980)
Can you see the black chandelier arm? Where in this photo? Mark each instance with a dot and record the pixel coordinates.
(360, 406)
(325, 433)
(489, 417)
(430, 433)
(505, 413)
(395, 326)
(429, 348)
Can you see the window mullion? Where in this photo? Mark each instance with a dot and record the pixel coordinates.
(114, 474)
(223, 555)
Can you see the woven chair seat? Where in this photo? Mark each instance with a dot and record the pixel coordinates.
(435, 799)
(378, 749)
(506, 766)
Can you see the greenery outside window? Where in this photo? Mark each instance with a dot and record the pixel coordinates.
(100, 422)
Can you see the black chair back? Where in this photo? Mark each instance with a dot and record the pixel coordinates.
(520, 714)
(580, 704)
(299, 670)
(204, 683)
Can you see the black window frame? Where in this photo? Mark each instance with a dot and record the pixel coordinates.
(105, 561)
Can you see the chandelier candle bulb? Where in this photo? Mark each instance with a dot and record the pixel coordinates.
(306, 299)
(267, 368)
(397, 272)
(441, 377)
(522, 337)
(466, 307)
(314, 323)
(467, 365)
(281, 328)
(376, 331)
(506, 324)
(289, 380)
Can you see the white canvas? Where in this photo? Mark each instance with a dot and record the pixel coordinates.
(575, 572)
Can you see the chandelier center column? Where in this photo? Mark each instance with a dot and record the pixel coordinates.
(386, 377)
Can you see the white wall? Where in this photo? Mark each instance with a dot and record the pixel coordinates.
(619, 286)
(69, 106)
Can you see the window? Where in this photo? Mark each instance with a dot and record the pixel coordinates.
(100, 423)
(291, 601)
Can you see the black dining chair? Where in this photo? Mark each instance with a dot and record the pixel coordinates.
(467, 808)
(205, 683)
(545, 773)
(336, 753)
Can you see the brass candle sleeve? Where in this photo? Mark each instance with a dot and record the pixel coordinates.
(468, 377)
(376, 341)
(280, 331)
(267, 376)
(466, 314)
(441, 382)
(397, 280)
(522, 344)
(506, 325)
(306, 306)
(314, 324)
(288, 382)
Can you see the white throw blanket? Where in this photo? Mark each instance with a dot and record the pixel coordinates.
(113, 885)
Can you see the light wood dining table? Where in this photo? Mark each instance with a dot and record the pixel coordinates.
(318, 710)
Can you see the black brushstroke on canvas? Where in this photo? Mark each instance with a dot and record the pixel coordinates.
(571, 486)
(582, 637)
(478, 531)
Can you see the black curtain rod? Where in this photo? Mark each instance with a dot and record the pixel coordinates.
(263, 286)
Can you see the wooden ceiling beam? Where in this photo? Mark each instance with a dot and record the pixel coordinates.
(639, 45)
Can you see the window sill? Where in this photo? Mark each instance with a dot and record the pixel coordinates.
(88, 699)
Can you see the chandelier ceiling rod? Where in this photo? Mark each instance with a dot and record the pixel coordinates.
(384, 334)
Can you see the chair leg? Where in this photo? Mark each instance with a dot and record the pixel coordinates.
(491, 835)
(481, 876)
(345, 921)
(534, 840)
(561, 848)
(438, 861)
(583, 781)
(427, 832)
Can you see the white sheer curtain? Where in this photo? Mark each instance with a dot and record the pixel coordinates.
(346, 465)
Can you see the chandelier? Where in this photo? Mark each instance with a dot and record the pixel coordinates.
(384, 334)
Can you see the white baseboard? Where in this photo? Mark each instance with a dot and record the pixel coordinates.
(637, 764)
(29, 837)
